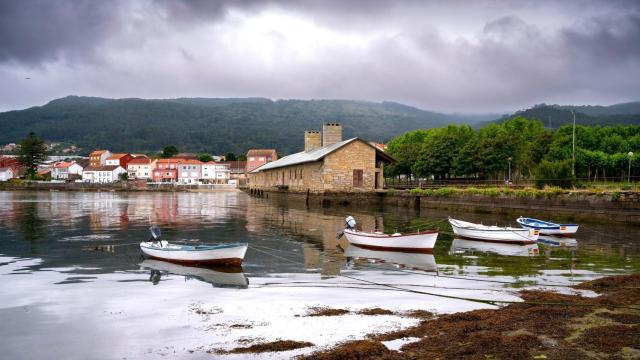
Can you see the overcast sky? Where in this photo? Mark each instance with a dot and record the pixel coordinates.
(451, 56)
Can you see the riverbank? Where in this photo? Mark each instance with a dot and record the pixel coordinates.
(575, 205)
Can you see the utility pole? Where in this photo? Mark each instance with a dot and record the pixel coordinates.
(573, 168)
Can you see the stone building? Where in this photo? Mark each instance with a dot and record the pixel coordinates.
(333, 165)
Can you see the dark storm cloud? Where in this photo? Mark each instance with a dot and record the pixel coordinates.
(33, 31)
(454, 56)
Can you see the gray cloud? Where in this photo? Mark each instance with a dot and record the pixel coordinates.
(448, 56)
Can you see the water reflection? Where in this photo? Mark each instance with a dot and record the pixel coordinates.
(557, 241)
(473, 246)
(222, 277)
(426, 262)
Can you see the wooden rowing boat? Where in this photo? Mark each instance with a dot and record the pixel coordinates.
(548, 227)
(415, 242)
(509, 235)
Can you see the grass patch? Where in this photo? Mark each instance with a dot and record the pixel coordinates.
(375, 311)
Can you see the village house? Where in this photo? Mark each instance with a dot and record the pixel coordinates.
(166, 170)
(7, 173)
(259, 157)
(7, 162)
(189, 172)
(99, 157)
(102, 174)
(141, 168)
(121, 159)
(64, 170)
(214, 173)
(327, 164)
(237, 171)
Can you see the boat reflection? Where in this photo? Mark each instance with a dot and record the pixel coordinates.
(222, 277)
(463, 245)
(561, 241)
(420, 261)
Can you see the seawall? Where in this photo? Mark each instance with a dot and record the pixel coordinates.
(621, 207)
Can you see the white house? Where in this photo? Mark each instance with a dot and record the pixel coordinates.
(213, 173)
(6, 173)
(141, 168)
(102, 174)
(61, 170)
(189, 172)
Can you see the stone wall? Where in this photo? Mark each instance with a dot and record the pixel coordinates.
(334, 173)
(339, 167)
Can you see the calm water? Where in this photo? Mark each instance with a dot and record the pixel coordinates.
(73, 283)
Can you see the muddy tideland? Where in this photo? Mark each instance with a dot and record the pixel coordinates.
(546, 325)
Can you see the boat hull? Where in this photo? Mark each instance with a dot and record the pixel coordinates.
(548, 228)
(471, 231)
(226, 255)
(418, 242)
(497, 247)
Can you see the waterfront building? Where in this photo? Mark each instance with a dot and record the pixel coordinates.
(189, 172)
(120, 159)
(141, 168)
(215, 173)
(102, 174)
(99, 157)
(7, 173)
(352, 165)
(237, 171)
(64, 170)
(166, 170)
(259, 157)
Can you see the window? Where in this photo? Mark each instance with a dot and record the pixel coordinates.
(358, 178)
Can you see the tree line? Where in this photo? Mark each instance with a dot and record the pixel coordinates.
(531, 150)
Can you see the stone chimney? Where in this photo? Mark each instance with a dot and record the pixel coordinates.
(331, 133)
(312, 140)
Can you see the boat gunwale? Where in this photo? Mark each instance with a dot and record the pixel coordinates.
(386, 236)
(198, 248)
(552, 225)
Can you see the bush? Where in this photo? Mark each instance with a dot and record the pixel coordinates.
(444, 192)
(615, 196)
(554, 173)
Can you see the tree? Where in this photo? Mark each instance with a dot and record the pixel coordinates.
(123, 176)
(242, 157)
(230, 157)
(32, 153)
(169, 151)
(205, 157)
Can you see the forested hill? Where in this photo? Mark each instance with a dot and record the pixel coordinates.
(210, 125)
(554, 116)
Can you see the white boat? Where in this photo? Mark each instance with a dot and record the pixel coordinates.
(411, 260)
(222, 254)
(414, 242)
(547, 227)
(462, 245)
(224, 277)
(467, 230)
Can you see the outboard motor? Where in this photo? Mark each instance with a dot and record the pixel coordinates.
(351, 222)
(156, 234)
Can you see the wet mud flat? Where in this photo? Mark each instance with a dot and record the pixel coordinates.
(546, 325)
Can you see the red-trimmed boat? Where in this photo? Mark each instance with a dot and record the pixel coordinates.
(415, 242)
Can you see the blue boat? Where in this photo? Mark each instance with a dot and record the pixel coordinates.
(547, 227)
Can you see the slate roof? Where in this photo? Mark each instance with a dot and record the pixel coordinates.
(314, 155)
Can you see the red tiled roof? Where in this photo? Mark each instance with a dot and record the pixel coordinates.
(191, 161)
(63, 164)
(98, 152)
(140, 161)
(169, 161)
(102, 168)
(261, 152)
(117, 156)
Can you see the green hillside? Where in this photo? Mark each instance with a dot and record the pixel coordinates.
(209, 125)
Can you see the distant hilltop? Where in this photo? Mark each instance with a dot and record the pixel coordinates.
(220, 125)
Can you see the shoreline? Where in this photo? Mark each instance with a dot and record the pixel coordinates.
(623, 207)
(114, 187)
